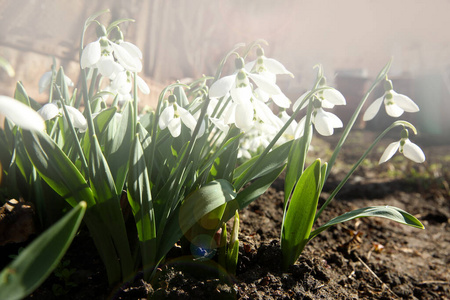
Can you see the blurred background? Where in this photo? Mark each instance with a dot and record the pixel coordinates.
(352, 39)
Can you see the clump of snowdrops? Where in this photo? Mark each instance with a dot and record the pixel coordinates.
(204, 153)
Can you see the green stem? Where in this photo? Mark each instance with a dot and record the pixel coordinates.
(341, 184)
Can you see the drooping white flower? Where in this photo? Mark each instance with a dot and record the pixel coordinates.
(269, 68)
(329, 97)
(405, 146)
(110, 57)
(324, 122)
(21, 114)
(51, 110)
(239, 88)
(394, 103)
(46, 78)
(173, 115)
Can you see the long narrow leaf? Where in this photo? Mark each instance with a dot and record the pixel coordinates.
(37, 260)
(389, 212)
(56, 168)
(140, 199)
(299, 214)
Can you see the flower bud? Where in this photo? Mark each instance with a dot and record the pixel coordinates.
(317, 103)
(172, 99)
(101, 31)
(116, 34)
(260, 51)
(388, 85)
(239, 63)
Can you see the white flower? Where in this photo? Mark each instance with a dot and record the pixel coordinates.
(239, 88)
(329, 97)
(21, 114)
(267, 66)
(103, 53)
(51, 110)
(324, 122)
(173, 115)
(405, 146)
(45, 80)
(394, 103)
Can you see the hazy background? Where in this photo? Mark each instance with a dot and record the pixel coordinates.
(352, 39)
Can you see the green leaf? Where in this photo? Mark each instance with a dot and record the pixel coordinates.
(103, 187)
(273, 160)
(40, 258)
(299, 214)
(56, 168)
(21, 95)
(140, 199)
(389, 212)
(119, 151)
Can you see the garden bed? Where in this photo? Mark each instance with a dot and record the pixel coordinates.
(369, 258)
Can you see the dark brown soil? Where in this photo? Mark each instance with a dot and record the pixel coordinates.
(362, 259)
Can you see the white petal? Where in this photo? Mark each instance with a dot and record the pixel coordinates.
(281, 100)
(299, 101)
(244, 116)
(219, 123)
(373, 109)
(91, 54)
(334, 96)
(142, 85)
(175, 127)
(108, 67)
(44, 81)
(275, 67)
(323, 123)
(68, 81)
(187, 118)
(300, 130)
(393, 110)
(132, 49)
(222, 86)
(263, 112)
(166, 116)
(249, 66)
(389, 152)
(49, 111)
(132, 64)
(265, 84)
(261, 95)
(242, 94)
(77, 118)
(413, 152)
(21, 114)
(404, 102)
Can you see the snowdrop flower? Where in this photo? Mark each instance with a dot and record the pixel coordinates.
(405, 146)
(103, 54)
(394, 103)
(45, 80)
(269, 68)
(51, 110)
(239, 88)
(21, 114)
(324, 122)
(173, 115)
(266, 66)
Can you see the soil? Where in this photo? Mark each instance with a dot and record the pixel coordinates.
(368, 258)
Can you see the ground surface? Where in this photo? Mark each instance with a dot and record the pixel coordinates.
(344, 262)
